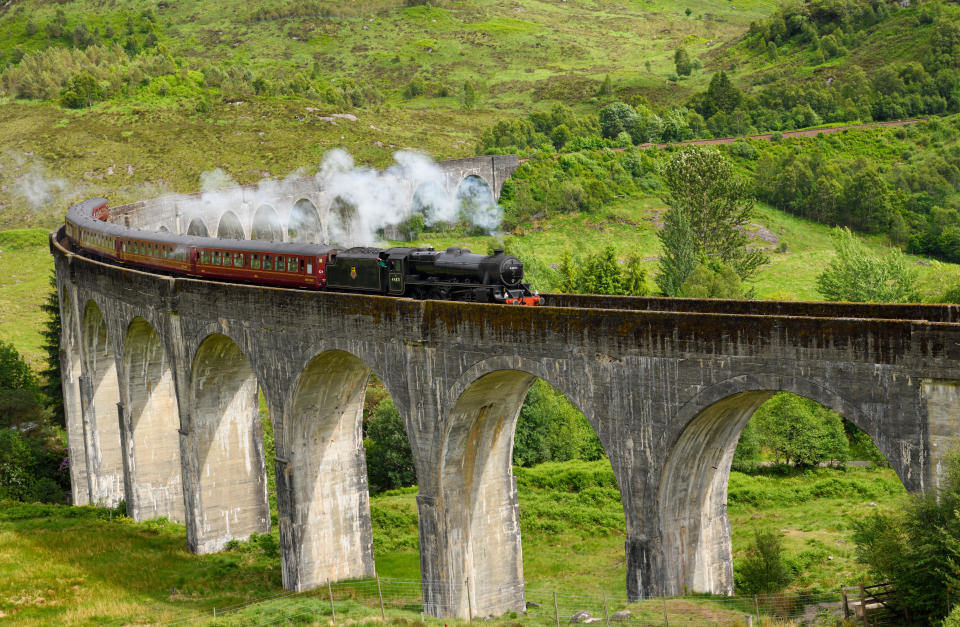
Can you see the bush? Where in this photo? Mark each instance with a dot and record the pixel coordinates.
(764, 571)
(82, 91)
(916, 547)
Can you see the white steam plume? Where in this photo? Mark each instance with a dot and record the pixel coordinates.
(363, 200)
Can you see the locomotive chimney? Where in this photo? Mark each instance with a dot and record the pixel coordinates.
(497, 251)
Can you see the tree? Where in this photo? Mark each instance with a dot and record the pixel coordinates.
(682, 62)
(712, 280)
(82, 91)
(721, 95)
(15, 374)
(701, 185)
(606, 87)
(856, 275)
(51, 385)
(469, 99)
(680, 253)
(764, 571)
(800, 431)
(601, 273)
(917, 547)
(616, 118)
(389, 457)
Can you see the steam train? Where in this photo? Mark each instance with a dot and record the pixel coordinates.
(453, 274)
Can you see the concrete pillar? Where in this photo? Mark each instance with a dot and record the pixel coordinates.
(100, 393)
(943, 410)
(73, 414)
(221, 447)
(149, 420)
(322, 492)
(470, 531)
(693, 534)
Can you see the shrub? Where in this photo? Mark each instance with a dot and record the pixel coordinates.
(916, 547)
(82, 91)
(764, 570)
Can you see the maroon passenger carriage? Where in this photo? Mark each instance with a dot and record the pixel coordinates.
(454, 274)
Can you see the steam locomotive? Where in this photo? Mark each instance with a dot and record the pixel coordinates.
(453, 274)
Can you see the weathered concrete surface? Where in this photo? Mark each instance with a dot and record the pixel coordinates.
(666, 387)
(149, 427)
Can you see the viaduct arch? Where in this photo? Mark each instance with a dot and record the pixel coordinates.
(175, 364)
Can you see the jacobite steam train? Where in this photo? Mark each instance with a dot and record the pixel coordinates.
(453, 274)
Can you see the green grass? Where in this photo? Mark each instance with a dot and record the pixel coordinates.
(25, 266)
(82, 565)
(521, 55)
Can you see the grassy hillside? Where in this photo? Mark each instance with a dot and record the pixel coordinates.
(183, 97)
(83, 565)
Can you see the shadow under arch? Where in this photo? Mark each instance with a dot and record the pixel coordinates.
(102, 428)
(304, 223)
(484, 568)
(328, 528)
(197, 227)
(229, 498)
(266, 225)
(695, 528)
(70, 369)
(151, 421)
(230, 227)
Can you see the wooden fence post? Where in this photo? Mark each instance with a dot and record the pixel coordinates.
(556, 609)
(863, 604)
(383, 614)
(606, 614)
(333, 612)
(666, 619)
(469, 600)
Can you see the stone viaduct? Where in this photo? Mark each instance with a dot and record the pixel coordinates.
(161, 380)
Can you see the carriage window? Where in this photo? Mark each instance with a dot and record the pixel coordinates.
(166, 252)
(143, 250)
(280, 265)
(255, 262)
(216, 257)
(301, 265)
(291, 264)
(205, 257)
(238, 260)
(267, 262)
(309, 268)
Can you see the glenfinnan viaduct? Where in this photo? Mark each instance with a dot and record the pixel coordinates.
(667, 385)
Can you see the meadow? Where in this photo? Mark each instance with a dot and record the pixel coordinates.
(84, 565)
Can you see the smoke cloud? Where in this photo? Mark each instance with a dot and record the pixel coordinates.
(365, 201)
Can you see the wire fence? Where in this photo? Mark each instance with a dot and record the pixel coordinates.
(388, 599)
